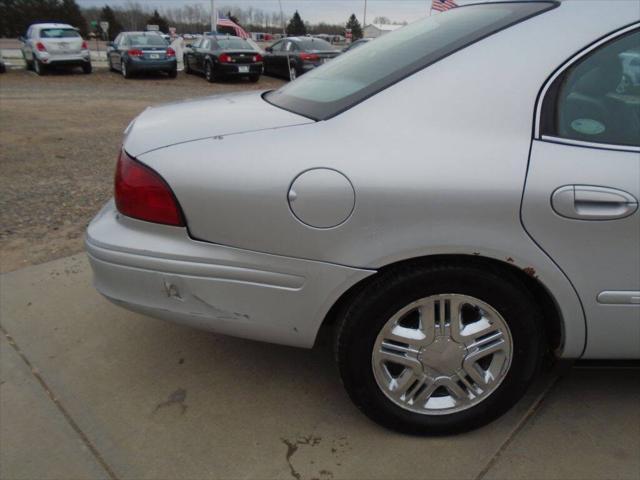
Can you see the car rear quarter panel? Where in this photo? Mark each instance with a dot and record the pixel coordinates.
(438, 162)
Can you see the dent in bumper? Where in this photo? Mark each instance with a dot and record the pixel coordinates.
(161, 272)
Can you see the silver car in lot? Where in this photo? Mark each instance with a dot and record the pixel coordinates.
(53, 45)
(457, 200)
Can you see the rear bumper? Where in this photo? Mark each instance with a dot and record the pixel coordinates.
(226, 69)
(160, 271)
(152, 65)
(70, 60)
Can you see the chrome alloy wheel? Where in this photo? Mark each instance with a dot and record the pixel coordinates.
(442, 354)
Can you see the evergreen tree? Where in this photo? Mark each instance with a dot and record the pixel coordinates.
(70, 13)
(296, 26)
(107, 15)
(17, 15)
(156, 19)
(354, 25)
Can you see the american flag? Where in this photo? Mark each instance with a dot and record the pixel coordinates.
(224, 21)
(443, 5)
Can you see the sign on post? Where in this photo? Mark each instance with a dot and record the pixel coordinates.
(104, 26)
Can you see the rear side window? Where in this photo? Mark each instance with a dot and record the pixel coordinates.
(59, 33)
(147, 41)
(349, 79)
(233, 44)
(311, 44)
(597, 100)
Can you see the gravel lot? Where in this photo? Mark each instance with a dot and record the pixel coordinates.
(60, 138)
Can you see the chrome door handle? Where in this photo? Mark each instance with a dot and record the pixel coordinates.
(586, 202)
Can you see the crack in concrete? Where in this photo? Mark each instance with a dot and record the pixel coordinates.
(533, 409)
(76, 428)
(177, 397)
(292, 448)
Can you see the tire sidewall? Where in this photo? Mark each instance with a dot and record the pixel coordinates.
(375, 310)
(209, 74)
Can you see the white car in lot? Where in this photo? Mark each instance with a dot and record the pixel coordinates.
(55, 44)
(458, 198)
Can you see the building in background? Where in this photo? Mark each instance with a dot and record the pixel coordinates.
(374, 30)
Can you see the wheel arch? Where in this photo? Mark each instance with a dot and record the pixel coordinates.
(554, 330)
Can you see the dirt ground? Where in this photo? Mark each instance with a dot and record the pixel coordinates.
(59, 139)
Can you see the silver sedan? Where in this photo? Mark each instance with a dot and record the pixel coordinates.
(457, 200)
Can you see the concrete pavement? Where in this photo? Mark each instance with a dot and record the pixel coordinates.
(88, 390)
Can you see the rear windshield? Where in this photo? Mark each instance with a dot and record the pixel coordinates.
(59, 33)
(152, 40)
(364, 71)
(307, 44)
(232, 43)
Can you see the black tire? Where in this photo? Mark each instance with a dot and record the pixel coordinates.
(187, 65)
(209, 72)
(3, 68)
(39, 67)
(254, 78)
(124, 70)
(111, 67)
(392, 290)
(87, 68)
(172, 73)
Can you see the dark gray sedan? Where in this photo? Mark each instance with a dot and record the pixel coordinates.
(218, 56)
(134, 52)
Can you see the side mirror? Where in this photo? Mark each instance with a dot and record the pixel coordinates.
(268, 49)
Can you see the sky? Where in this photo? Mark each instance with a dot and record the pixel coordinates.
(314, 11)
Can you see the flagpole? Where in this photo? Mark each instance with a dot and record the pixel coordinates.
(281, 17)
(364, 18)
(214, 18)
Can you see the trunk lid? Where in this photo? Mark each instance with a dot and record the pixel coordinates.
(152, 53)
(196, 119)
(62, 46)
(241, 56)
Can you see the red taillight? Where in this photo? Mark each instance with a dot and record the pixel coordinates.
(85, 45)
(171, 52)
(257, 58)
(40, 46)
(143, 194)
(309, 57)
(134, 52)
(224, 58)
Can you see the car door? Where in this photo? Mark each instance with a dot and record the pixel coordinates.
(271, 58)
(190, 54)
(287, 58)
(581, 196)
(201, 53)
(114, 52)
(27, 47)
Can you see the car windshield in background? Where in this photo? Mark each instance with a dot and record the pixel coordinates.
(58, 33)
(233, 43)
(349, 79)
(147, 40)
(309, 44)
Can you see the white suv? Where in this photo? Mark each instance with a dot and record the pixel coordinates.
(55, 44)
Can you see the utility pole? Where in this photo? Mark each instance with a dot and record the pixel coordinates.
(282, 18)
(214, 19)
(364, 18)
